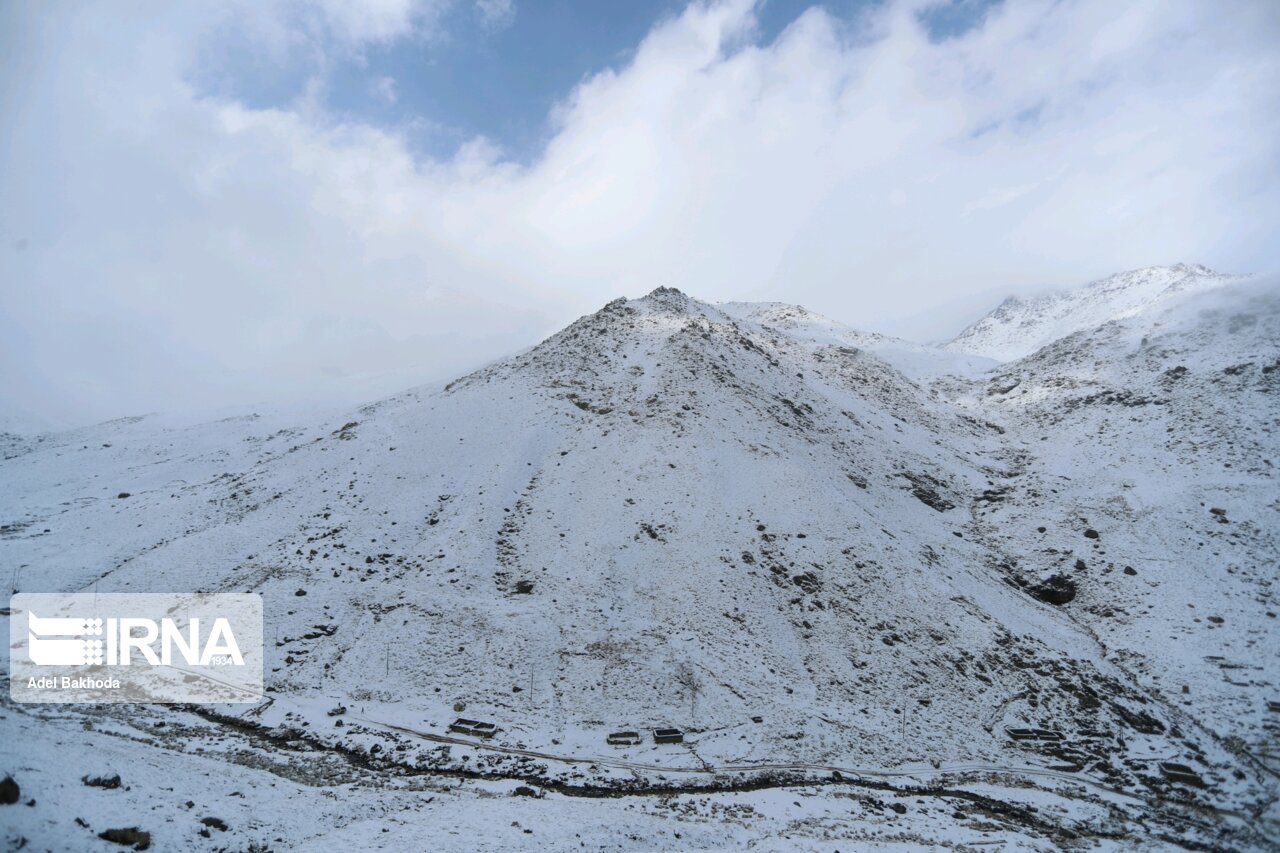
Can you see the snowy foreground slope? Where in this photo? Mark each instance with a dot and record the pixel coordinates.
(844, 565)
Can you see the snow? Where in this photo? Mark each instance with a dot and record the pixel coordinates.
(685, 514)
(1019, 327)
(916, 361)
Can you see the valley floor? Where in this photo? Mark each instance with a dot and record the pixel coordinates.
(183, 778)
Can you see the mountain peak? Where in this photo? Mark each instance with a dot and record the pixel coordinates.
(667, 299)
(1194, 269)
(1019, 327)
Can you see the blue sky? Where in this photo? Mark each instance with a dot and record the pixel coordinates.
(495, 78)
(223, 204)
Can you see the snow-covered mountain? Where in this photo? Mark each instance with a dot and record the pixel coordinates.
(916, 361)
(845, 565)
(1019, 327)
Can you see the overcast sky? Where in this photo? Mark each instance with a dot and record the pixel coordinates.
(213, 204)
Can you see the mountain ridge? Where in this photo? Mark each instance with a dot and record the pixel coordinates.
(1020, 325)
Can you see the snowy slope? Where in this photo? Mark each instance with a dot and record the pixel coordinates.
(1158, 432)
(1018, 327)
(917, 361)
(679, 513)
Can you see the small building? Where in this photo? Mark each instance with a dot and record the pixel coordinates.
(1044, 735)
(474, 728)
(1175, 772)
(668, 736)
(623, 739)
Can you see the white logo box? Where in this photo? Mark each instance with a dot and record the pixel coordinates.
(127, 647)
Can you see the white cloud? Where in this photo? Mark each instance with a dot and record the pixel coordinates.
(370, 20)
(496, 14)
(384, 89)
(999, 197)
(182, 249)
(349, 22)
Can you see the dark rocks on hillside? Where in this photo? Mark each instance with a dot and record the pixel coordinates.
(109, 782)
(802, 412)
(1056, 589)
(1139, 721)
(1114, 398)
(9, 791)
(1091, 534)
(586, 406)
(669, 297)
(524, 587)
(128, 836)
(926, 490)
(808, 582)
(655, 532)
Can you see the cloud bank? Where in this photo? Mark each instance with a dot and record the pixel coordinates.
(163, 246)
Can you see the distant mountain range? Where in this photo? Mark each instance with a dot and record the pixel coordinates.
(1018, 327)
